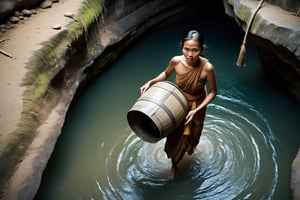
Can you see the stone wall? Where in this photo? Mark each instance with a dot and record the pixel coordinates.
(275, 33)
(291, 5)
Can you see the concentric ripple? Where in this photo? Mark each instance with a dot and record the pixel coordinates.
(235, 159)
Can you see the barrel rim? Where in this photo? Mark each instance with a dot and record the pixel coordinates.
(142, 135)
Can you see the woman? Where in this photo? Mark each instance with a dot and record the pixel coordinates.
(192, 73)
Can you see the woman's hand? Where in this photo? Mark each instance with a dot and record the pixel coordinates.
(161, 77)
(145, 87)
(190, 116)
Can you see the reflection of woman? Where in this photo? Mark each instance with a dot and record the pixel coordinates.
(192, 73)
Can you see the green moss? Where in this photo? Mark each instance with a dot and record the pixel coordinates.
(48, 58)
(231, 2)
(40, 87)
(256, 22)
(244, 14)
(89, 12)
(44, 65)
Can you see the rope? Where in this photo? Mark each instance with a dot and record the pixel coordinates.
(241, 58)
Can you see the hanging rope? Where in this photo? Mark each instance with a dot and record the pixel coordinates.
(241, 59)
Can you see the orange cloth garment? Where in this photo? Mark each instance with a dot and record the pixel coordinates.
(194, 89)
(193, 100)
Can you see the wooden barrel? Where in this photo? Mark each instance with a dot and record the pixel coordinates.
(158, 112)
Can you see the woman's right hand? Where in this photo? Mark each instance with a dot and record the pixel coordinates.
(145, 87)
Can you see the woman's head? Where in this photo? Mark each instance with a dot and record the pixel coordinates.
(192, 46)
(194, 35)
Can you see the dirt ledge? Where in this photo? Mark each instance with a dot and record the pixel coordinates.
(42, 101)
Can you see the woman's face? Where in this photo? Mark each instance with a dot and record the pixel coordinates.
(191, 51)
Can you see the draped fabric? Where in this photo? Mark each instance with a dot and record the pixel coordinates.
(186, 138)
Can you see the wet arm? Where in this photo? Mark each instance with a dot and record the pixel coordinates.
(161, 77)
(212, 85)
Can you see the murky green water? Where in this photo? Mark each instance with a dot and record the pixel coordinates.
(249, 141)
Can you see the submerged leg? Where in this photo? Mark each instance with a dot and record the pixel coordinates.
(173, 170)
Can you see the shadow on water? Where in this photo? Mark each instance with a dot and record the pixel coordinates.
(249, 139)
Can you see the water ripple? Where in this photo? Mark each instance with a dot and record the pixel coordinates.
(235, 159)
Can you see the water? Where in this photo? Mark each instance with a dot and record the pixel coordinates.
(250, 137)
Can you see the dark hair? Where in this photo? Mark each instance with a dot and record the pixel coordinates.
(194, 35)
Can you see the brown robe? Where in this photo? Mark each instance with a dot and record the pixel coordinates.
(180, 142)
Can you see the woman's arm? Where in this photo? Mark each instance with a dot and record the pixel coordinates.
(161, 77)
(212, 85)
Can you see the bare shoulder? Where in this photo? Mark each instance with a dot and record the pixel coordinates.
(208, 67)
(175, 59)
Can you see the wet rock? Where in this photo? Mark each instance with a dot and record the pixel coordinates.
(56, 27)
(46, 4)
(26, 13)
(9, 25)
(17, 13)
(14, 19)
(69, 14)
(33, 11)
(3, 28)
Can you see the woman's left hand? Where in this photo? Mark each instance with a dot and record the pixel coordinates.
(190, 116)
